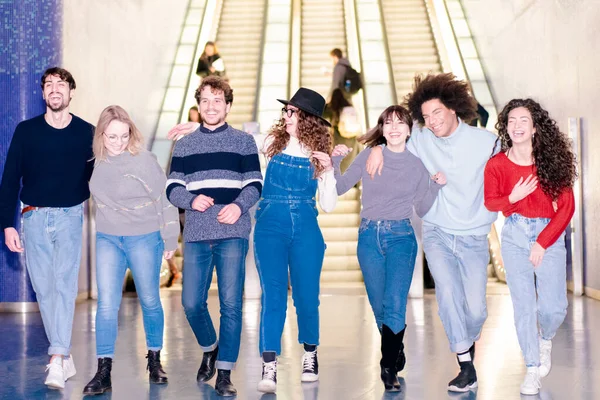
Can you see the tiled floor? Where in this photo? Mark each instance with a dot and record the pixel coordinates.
(348, 355)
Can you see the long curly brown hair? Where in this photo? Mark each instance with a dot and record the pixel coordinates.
(312, 134)
(552, 154)
(453, 94)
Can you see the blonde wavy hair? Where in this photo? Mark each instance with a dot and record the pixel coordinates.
(109, 114)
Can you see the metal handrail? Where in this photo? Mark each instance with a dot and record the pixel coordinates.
(295, 57)
(189, 7)
(359, 47)
(388, 54)
(260, 60)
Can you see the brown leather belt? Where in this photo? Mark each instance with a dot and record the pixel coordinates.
(30, 208)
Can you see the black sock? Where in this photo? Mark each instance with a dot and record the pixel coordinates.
(310, 347)
(269, 356)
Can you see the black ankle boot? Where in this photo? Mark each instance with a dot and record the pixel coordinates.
(157, 374)
(401, 360)
(101, 382)
(466, 378)
(389, 355)
(207, 368)
(224, 387)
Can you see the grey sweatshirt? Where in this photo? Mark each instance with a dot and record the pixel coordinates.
(129, 192)
(404, 183)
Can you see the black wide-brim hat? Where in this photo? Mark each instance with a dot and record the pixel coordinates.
(308, 101)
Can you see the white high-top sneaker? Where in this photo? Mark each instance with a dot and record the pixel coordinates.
(69, 367)
(545, 357)
(531, 384)
(268, 384)
(56, 377)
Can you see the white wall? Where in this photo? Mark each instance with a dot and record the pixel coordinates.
(549, 50)
(120, 52)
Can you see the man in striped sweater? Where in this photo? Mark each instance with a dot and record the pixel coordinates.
(215, 176)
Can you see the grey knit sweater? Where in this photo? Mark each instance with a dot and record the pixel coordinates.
(129, 194)
(222, 164)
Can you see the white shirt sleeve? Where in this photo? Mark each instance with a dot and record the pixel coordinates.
(327, 191)
(262, 143)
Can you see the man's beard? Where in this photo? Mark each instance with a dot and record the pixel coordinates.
(62, 106)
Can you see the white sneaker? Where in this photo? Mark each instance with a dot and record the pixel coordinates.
(56, 376)
(268, 384)
(69, 367)
(531, 384)
(545, 357)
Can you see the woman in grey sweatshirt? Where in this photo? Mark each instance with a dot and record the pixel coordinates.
(387, 247)
(136, 226)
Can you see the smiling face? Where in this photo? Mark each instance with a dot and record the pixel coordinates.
(520, 126)
(395, 131)
(290, 118)
(213, 108)
(441, 120)
(57, 93)
(116, 137)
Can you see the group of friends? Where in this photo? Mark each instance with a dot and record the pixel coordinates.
(422, 157)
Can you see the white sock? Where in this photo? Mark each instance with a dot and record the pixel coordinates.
(462, 357)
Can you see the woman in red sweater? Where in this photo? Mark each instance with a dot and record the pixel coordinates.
(530, 181)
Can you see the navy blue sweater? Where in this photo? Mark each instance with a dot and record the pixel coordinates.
(54, 164)
(222, 164)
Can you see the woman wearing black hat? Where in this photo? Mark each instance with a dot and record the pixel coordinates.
(287, 235)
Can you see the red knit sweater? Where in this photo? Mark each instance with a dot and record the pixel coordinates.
(501, 175)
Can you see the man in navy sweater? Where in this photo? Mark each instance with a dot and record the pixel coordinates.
(51, 154)
(215, 176)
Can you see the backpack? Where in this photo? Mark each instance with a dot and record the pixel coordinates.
(352, 80)
(349, 125)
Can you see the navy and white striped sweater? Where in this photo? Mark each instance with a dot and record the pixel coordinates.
(222, 164)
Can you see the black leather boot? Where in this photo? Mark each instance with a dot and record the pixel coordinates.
(401, 360)
(101, 382)
(389, 356)
(207, 368)
(224, 387)
(157, 374)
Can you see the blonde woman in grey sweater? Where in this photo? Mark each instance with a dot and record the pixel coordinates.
(136, 226)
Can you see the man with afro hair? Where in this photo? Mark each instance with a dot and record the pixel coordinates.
(456, 227)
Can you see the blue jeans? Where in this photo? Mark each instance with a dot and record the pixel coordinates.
(387, 251)
(199, 260)
(539, 295)
(143, 255)
(52, 239)
(287, 235)
(458, 264)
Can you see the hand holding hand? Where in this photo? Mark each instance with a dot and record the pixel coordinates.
(523, 188)
(202, 203)
(12, 240)
(375, 161)
(341, 150)
(439, 178)
(229, 214)
(323, 159)
(181, 130)
(537, 254)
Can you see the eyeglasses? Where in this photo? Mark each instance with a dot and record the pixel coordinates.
(288, 111)
(115, 138)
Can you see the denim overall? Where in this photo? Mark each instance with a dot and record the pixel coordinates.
(287, 235)
(539, 295)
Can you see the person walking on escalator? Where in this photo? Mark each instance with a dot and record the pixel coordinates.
(344, 77)
(210, 62)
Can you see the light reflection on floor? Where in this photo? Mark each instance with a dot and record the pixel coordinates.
(348, 355)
